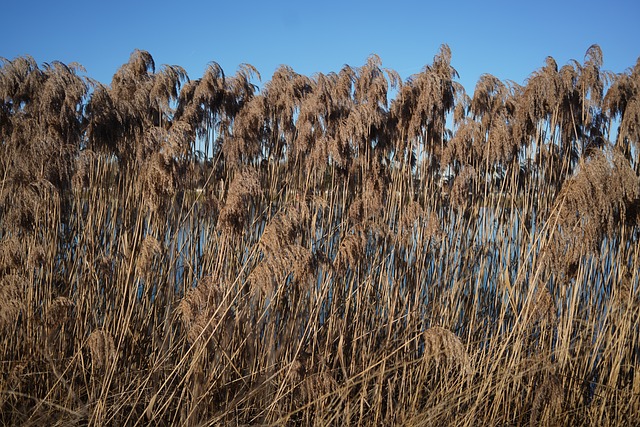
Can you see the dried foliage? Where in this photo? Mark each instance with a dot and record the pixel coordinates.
(591, 206)
(547, 404)
(323, 250)
(236, 210)
(102, 348)
(444, 347)
(11, 254)
(462, 190)
(202, 309)
(274, 270)
(544, 310)
(12, 295)
(150, 249)
(351, 251)
(59, 311)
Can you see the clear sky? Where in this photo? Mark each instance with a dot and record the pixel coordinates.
(508, 39)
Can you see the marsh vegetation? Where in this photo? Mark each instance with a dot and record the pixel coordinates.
(347, 248)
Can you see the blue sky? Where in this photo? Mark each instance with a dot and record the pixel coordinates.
(508, 39)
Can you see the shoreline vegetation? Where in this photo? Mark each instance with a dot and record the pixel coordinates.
(315, 252)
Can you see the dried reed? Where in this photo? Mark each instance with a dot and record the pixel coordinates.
(206, 252)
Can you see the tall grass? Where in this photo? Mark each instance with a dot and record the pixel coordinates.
(330, 257)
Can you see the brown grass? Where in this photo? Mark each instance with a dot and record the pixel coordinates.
(314, 253)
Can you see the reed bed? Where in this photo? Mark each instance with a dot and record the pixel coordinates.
(317, 252)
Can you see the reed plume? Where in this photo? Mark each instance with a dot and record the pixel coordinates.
(12, 293)
(548, 401)
(445, 349)
(59, 311)
(149, 250)
(351, 251)
(11, 254)
(102, 349)
(622, 101)
(203, 307)
(275, 268)
(235, 212)
(462, 190)
(208, 251)
(544, 309)
(591, 206)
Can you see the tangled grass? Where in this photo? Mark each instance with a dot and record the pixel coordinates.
(329, 259)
